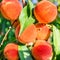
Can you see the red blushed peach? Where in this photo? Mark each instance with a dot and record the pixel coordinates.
(43, 31)
(28, 35)
(11, 51)
(11, 9)
(45, 11)
(42, 50)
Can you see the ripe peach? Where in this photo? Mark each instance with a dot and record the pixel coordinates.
(28, 35)
(42, 50)
(45, 11)
(11, 51)
(11, 9)
(43, 31)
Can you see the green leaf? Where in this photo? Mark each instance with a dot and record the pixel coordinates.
(31, 6)
(57, 22)
(56, 40)
(24, 53)
(59, 2)
(59, 8)
(26, 23)
(22, 18)
(29, 21)
(58, 18)
(26, 17)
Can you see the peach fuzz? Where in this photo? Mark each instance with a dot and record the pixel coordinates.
(42, 50)
(43, 31)
(11, 51)
(11, 9)
(28, 35)
(45, 12)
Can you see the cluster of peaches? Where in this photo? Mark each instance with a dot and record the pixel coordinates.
(44, 12)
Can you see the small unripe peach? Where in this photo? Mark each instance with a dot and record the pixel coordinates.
(11, 51)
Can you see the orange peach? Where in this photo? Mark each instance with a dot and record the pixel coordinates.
(43, 31)
(28, 35)
(45, 12)
(11, 51)
(11, 9)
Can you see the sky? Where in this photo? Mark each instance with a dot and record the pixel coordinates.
(34, 1)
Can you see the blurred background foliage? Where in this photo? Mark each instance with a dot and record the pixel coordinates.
(4, 26)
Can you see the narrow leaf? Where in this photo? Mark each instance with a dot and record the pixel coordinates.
(29, 21)
(31, 6)
(26, 17)
(22, 18)
(56, 39)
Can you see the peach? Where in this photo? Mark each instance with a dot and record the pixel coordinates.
(42, 50)
(28, 35)
(11, 51)
(11, 9)
(43, 31)
(45, 12)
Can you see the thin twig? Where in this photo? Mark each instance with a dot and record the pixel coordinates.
(7, 33)
(5, 36)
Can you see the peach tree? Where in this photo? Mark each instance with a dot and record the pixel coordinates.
(29, 30)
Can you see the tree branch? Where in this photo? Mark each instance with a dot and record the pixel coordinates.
(23, 1)
(5, 36)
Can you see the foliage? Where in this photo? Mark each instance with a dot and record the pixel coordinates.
(26, 18)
